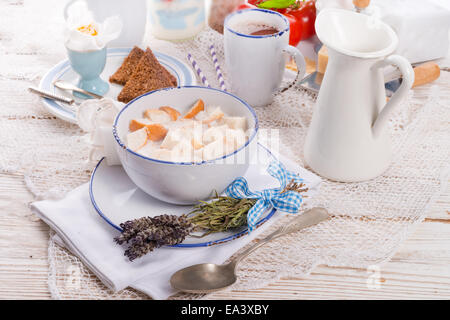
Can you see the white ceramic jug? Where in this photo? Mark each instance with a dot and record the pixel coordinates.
(348, 139)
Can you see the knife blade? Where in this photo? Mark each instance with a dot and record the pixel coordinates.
(64, 85)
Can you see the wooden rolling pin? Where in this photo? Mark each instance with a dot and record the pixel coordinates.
(423, 74)
(426, 73)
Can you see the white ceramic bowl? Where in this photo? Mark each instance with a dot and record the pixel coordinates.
(184, 182)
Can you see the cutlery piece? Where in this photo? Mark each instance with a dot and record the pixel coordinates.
(50, 95)
(209, 277)
(64, 85)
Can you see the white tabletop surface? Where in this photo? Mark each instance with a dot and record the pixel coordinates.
(420, 268)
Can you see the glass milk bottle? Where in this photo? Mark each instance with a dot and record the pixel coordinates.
(176, 19)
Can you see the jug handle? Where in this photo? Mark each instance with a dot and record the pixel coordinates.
(402, 92)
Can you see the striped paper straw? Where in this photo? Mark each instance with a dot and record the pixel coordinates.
(198, 70)
(218, 70)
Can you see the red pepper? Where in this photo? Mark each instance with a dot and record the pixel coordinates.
(301, 16)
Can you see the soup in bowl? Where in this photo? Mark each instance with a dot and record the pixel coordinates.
(181, 145)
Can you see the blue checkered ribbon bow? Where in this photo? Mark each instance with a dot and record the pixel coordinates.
(289, 201)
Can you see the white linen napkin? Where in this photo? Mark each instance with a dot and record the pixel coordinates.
(88, 236)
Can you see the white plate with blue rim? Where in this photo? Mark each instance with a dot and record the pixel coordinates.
(117, 199)
(115, 56)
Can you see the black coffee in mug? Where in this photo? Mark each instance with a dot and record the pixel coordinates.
(265, 30)
(256, 29)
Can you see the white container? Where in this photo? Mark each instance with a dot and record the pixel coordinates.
(176, 19)
(184, 183)
(348, 139)
(422, 27)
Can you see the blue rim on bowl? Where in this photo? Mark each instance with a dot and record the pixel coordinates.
(122, 145)
(180, 245)
(280, 33)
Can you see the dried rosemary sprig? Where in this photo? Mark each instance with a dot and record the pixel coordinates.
(221, 214)
(294, 186)
(224, 213)
(218, 215)
(147, 233)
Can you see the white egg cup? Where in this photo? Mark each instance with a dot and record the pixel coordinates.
(89, 65)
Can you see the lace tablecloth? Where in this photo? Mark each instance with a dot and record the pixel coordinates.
(370, 219)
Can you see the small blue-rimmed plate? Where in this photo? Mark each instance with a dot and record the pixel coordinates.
(117, 199)
(115, 56)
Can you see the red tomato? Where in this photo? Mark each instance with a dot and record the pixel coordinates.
(295, 29)
(306, 15)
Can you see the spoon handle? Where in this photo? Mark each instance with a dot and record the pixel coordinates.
(50, 95)
(305, 220)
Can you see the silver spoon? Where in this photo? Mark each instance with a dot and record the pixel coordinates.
(64, 85)
(209, 277)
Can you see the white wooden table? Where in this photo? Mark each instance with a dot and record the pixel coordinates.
(420, 268)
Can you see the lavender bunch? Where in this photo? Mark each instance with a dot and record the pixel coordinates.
(147, 233)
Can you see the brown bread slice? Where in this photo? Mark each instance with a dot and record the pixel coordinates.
(125, 71)
(149, 75)
(171, 77)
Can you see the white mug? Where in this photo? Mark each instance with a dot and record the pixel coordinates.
(256, 63)
(132, 12)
